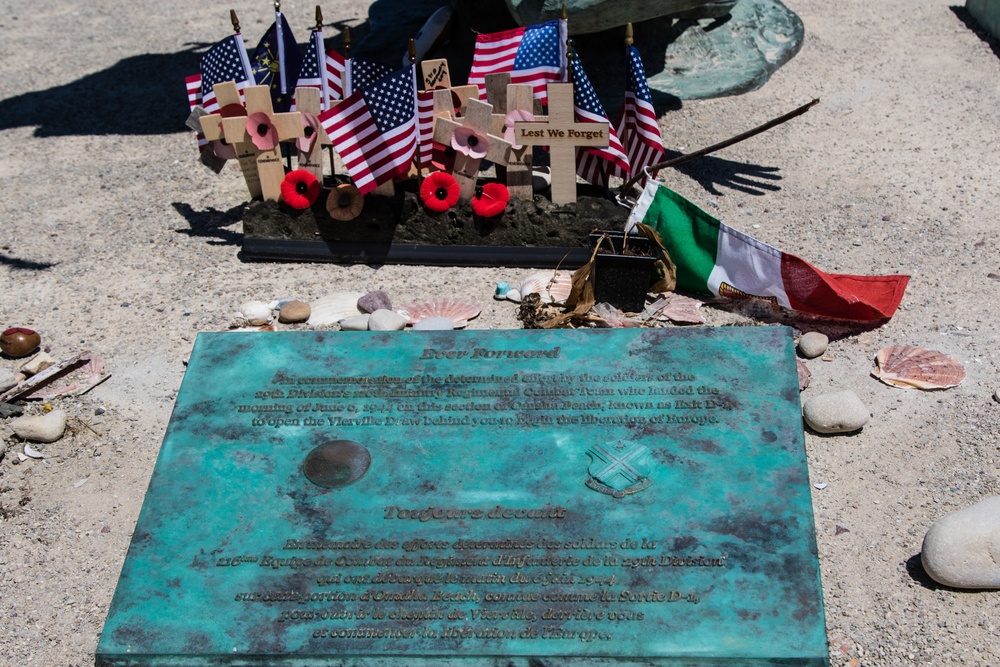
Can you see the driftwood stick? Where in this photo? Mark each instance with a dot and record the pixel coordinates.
(626, 188)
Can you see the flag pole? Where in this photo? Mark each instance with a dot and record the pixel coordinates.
(323, 85)
(346, 83)
(629, 41)
(235, 20)
(418, 157)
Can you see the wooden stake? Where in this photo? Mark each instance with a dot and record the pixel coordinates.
(517, 173)
(227, 95)
(307, 101)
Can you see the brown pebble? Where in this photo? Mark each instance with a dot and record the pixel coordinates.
(294, 311)
(19, 342)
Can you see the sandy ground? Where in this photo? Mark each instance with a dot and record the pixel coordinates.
(116, 241)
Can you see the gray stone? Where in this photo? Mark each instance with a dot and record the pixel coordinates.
(377, 300)
(386, 320)
(47, 427)
(434, 324)
(7, 380)
(10, 410)
(962, 549)
(356, 323)
(586, 16)
(813, 344)
(837, 412)
(294, 311)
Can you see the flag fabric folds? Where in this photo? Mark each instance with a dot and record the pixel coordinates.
(593, 163)
(375, 129)
(425, 127)
(334, 73)
(226, 61)
(321, 70)
(276, 63)
(637, 127)
(714, 258)
(193, 86)
(362, 72)
(534, 55)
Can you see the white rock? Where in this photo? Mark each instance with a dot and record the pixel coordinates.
(386, 320)
(37, 364)
(48, 427)
(434, 324)
(813, 344)
(837, 412)
(257, 313)
(356, 323)
(962, 549)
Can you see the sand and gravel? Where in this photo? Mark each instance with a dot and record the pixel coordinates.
(116, 241)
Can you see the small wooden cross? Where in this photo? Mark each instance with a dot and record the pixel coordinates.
(288, 125)
(562, 135)
(477, 117)
(505, 97)
(436, 76)
(227, 94)
(307, 101)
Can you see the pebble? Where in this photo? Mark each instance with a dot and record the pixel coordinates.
(19, 342)
(257, 313)
(962, 549)
(813, 344)
(294, 311)
(502, 289)
(356, 323)
(10, 410)
(377, 300)
(434, 324)
(48, 427)
(386, 320)
(996, 395)
(7, 380)
(37, 363)
(837, 412)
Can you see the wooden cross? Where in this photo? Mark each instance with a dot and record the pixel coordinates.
(505, 97)
(436, 76)
(288, 125)
(562, 135)
(477, 117)
(307, 101)
(227, 94)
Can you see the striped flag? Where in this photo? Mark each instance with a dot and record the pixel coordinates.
(425, 126)
(193, 85)
(362, 72)
(637, 126)
(714, 258)
(226, 61)
(319, 70)
(334, 74)
(535, 56)
(590, 162)
(375, 129)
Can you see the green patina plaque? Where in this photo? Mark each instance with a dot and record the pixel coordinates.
(481, 498)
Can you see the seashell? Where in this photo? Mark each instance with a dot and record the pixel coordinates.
(257, 313)
(550, 286)
(907, 366)
(513, 295)
(333, 308)
(804, 375)
(459, 312)
(677, 308)
(31, 452)
(613, 317)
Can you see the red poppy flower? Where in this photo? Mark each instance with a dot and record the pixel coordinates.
(299, 189)
(262, 131)
(491, 200)
(439, 191)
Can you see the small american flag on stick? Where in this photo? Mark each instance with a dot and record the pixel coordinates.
(534, 55)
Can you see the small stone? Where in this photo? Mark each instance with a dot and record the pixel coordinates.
(100, 410)
(19, 342)
(40, 428)
(962, 549)
(37, 364)
(837, 412)
(356, 323)
(996, 395)
(813, 344)
(377, 300)
(294, 311)
(10, 410)
(434, 324)
(502, 289)
(386, 320)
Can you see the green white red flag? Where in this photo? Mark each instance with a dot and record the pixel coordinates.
(712, 257)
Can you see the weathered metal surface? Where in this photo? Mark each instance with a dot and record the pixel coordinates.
(542, 498)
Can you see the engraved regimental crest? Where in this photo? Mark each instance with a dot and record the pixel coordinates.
(619, 469)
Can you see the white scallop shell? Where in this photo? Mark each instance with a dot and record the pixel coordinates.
(908, 366)
(333, 308)
(550, 286)
(456, 310)
(257, 313)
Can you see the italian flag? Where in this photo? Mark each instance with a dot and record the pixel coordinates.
(715, 258)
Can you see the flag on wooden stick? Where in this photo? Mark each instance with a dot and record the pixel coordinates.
(637, 127)
(225, 61)
(714, 258)
(276, 63)
(321, 70)
(534, 55)
(375, 129)
(592, 164)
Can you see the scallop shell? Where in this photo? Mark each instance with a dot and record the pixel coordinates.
(550, 286)
(257, 313)
(459, 312)
(333, 308)
(908, 366)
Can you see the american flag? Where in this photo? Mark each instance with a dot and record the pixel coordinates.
(425, 126)
(590, 162)
(193, 85)
(375, 129)
(334, 74)
(534, 56)
(328, 81)
(637, 122)
(276, 63)
(226, 61)
(361, 72)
